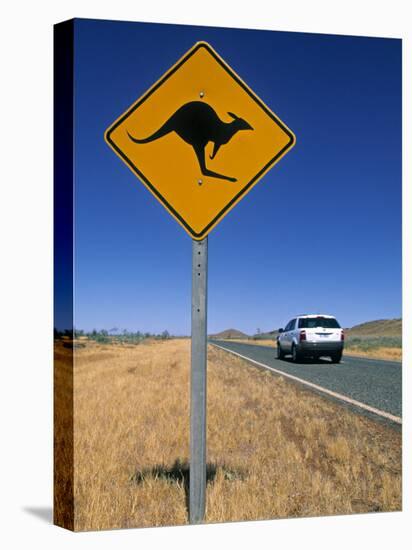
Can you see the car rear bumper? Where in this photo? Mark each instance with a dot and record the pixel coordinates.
(320, 347)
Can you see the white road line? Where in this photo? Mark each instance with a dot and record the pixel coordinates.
(349, 400)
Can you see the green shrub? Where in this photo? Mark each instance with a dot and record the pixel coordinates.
(371, 342)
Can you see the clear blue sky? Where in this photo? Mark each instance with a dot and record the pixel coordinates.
(320, 232)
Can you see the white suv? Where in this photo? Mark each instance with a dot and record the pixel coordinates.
(311, 335)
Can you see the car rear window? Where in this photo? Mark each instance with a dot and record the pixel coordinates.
(314, 322)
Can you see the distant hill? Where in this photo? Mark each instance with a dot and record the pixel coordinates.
(378, 328)
(382, 327)
(230, 333)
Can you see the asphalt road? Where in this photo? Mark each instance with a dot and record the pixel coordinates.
(372, 382)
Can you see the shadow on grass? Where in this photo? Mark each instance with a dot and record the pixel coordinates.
(179, 474)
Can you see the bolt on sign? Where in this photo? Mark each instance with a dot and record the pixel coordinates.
(199, 139)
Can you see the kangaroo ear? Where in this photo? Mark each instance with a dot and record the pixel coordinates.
(233, 115)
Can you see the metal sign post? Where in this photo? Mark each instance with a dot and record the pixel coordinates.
(198, 383)
(202, 126)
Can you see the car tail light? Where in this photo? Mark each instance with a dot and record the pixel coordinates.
(342, 336)
(302, 335)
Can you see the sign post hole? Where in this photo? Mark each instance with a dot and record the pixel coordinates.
(198, 386)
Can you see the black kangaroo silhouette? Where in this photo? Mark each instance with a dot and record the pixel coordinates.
(197, 123)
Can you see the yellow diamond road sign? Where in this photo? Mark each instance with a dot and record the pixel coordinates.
(199, 139)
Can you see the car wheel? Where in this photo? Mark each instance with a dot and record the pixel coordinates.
(280, 352)
(336, 357)
(296, 355)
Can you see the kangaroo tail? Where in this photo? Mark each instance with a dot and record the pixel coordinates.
(162, 131)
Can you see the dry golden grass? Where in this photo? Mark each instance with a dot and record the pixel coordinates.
(391, 354)
(63, 504)
(274, 449)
